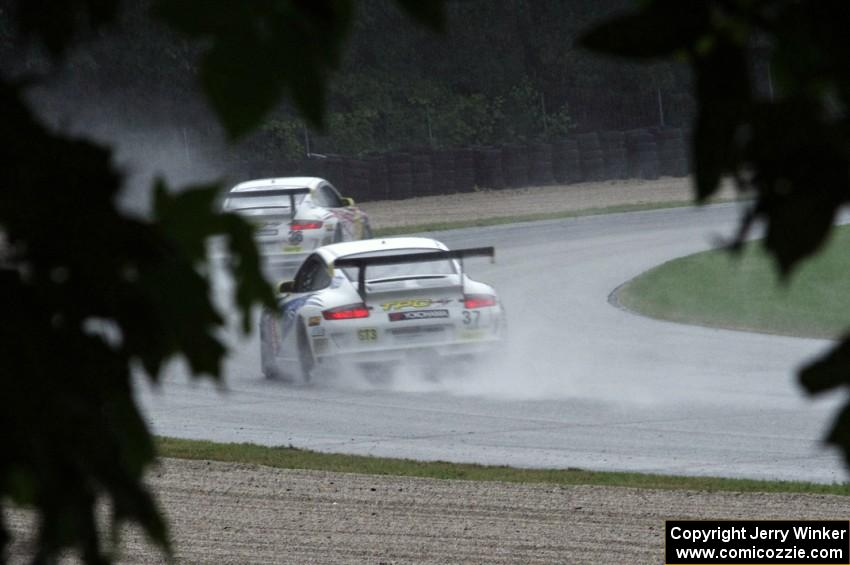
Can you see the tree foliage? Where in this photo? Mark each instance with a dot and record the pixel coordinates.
(90, 294)
(502, 72)
(789, 150)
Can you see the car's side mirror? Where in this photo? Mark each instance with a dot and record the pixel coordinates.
(348, 202)
(286, 287)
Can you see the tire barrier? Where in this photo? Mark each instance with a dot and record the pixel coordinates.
(379, 185)
(488, 168)
(444, 172)
(357, 179)
(672, 152)
(566, 161)
(592, 156)
(643, 154)
(615, 154)
(423, 173)
(540, 164)
(399, 176)
(515, 165)
(464, 180)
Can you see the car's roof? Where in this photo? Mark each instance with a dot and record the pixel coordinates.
(279, 183)
(336, 250)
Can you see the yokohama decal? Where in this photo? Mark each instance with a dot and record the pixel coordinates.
(418, 315)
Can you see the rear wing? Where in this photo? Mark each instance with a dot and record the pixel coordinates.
(361, 263)
(291, 192)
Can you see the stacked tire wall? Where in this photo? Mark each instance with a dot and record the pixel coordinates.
(586, 157)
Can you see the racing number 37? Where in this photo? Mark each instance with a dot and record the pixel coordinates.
(470, 318)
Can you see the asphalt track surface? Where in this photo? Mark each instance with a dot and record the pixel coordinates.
(582, 383)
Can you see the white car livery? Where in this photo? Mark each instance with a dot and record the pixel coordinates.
(294, 216)
(380, 301)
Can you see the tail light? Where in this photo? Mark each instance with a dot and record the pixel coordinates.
(478, 301)
(348, 312)
(300, 225)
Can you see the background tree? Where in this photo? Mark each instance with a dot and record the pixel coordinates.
(89, 293)
(787, 147)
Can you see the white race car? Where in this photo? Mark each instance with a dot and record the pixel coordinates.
(380, 301)
(294, 216)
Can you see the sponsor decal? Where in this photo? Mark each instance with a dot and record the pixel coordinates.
(314, 321)
(413, 303)
(291, 248)
(317, 332)
(289, 313)
(295, 237)
(346, 221)
(418, 315)
(367, 334)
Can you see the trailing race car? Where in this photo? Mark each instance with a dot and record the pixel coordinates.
(294, 216)
(380, 301)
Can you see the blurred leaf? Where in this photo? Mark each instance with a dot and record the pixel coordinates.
(242, 94)
(723, 94)
(799, 180)
(5, 538)
(839, 434)
(190, 218)
(87, 292)
(259, 50)
(58, 23)
(251, 287)
(662, 28)
(82, 301)
(830, 371)
(790, 151)
(799, 224)
(431, 13)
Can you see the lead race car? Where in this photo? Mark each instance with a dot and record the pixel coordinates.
(294, 216)
(380, 301)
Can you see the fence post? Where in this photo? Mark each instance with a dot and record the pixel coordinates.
(660, 108)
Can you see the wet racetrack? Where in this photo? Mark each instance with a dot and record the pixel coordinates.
(582, 382)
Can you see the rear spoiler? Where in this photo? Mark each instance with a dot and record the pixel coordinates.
(362, 262)
(291, 192)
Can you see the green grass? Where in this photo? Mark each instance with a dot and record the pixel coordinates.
(498, 220)
(718, 289)
(292, 458)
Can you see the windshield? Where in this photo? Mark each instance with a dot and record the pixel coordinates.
(423, 269)
(235, 203)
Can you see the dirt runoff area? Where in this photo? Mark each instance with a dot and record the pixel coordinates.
(535, 200)
(238, 513)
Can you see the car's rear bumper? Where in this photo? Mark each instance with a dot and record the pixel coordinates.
(420, 354)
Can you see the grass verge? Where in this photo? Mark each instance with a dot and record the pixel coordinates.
(292, 458)
(498, 220)
(715, 288)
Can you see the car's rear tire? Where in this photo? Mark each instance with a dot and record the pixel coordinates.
(306, 363)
